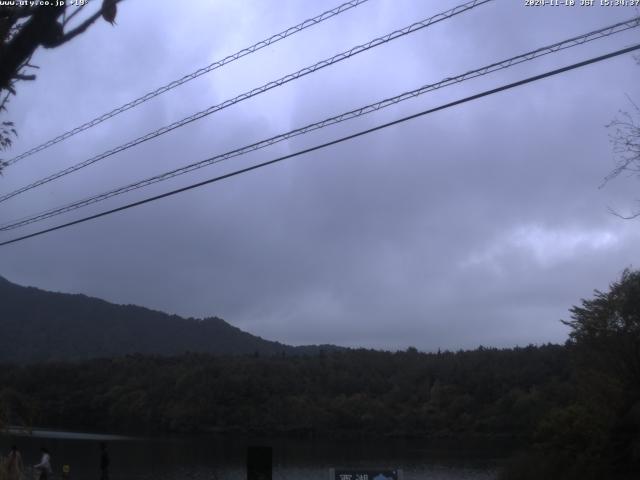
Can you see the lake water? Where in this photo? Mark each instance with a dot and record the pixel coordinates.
(223, 457)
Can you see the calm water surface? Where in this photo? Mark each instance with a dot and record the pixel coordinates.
(223, 457)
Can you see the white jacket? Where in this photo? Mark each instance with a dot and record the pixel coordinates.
(45, 463)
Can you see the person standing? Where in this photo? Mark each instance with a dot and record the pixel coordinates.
(104, 462)
(44, 467)
(14, 464)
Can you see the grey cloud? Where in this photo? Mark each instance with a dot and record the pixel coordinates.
(477, 225)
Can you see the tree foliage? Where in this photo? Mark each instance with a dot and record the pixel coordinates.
(26, 26)
(485, 392)
(598, 434)
(577, 404)
(605, 332)
(605, 339)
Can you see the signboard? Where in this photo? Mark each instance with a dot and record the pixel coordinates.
(365, 474)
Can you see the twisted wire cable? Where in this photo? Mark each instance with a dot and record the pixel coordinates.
(191, 76)
(500, 65)
(256, 91)
(322, 146)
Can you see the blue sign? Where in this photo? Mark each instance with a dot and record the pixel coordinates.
(365, 474)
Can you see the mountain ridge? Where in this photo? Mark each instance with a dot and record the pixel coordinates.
(39, 325)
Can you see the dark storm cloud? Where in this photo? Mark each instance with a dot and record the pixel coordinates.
(480, 224)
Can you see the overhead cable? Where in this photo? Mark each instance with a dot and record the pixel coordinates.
(193, 75)
(500, 65)
(327, 144)
(252, 93)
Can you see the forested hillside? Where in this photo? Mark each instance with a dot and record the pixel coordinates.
(575, 407)
(37, 325)
(355, 392)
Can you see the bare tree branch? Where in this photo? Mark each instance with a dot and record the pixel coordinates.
(624, 217)
(22, 76)
(625, 140)
(4, 101)
(35, 31)
(25, 28)
(76, 31)
(80, 28)
(75, 12)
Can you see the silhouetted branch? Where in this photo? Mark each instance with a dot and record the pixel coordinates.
(76, 31)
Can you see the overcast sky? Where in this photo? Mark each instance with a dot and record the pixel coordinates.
(478, 225)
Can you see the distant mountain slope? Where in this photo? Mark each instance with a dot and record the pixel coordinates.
(37, 325)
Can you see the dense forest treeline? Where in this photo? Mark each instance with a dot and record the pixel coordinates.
(575, 407)
(355, 392)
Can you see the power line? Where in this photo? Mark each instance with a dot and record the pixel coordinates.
(191, 76)
(503, 64)
(333, 142)
(256, 91)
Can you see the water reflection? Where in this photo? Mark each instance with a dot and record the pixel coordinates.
(223, 457)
